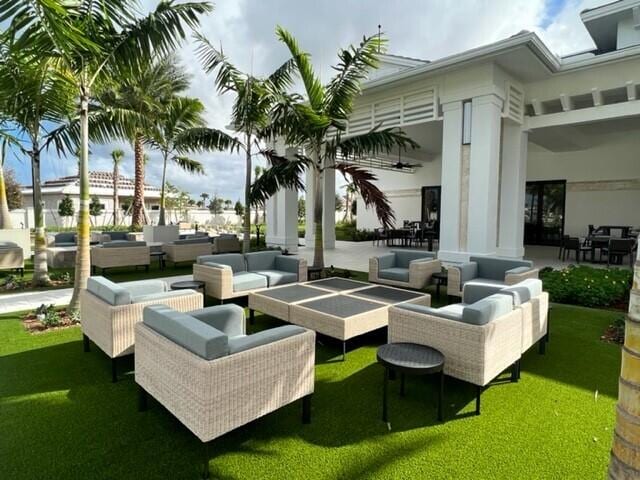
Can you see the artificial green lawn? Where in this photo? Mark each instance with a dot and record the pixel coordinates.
(62, 418)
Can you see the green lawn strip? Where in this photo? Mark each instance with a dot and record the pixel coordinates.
(61, 417)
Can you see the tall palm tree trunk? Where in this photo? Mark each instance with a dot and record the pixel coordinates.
(246, 236)
(5, 216)
(161, 220)
(116, 203)
(318, 248)
(625, 454)
(138, 215)
(83, 253)
(40, 270)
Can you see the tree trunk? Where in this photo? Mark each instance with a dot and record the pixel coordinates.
(246, 236)
(625, 454)
(161, 220)
(83, 253)
(5, 216)
(138, 216)
(318, 250)
(40, 270)
(116, 203)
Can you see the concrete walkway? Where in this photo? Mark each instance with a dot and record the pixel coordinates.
(17, 302)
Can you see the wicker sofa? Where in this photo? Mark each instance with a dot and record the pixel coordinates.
(120, 253)
(187, 250)
(109, 311)
(488, 270)
(404, 268)
(479, 340)
(11, 257)
(234, 275)
(212, 377)
(226, 243)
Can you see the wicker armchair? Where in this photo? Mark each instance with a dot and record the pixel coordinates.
(11, 257)
(109, 311)
(404, 268)
(479, 341)
(212, 377)
(226, 244)
(187, 250)
(120, 254)
(488, 270)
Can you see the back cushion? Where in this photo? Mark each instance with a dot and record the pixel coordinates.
(487, 309)
(262, 260)
(186, 331)
(144, 287)
(494, 268)
(65, 237)
(403, 257)
(117, 235)
(8, 245)
(110, 292)
(187, 241)
(233, 260)
(123, 244)
(473, 292)
(525, 290)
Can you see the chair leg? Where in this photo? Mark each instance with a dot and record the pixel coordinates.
(306, 409)
(542, 346)
(205, 466)
(252, 317)
(478, 393)
(344, 350)
(114, 369)
(86, 345)
(143, 403)
(514, 371)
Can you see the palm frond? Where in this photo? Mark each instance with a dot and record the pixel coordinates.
(206, 139)
(312, 85)
(282, 77)
(283, 173)
(372, 196)
(188, 164)
(228, 77)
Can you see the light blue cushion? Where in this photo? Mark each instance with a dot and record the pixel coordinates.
(525, 290)
(487, 309)
(494, 268)
(449, 314)
(144, 287)
(404, 257)
(188, 241)
(67, 238)
(263, 337)
(388, 260)
(110, 292)
(248, 281)
(277, 277)
(187, 331)
(395, 274)
(287, 264)
(518, 270)
(159, 297)
(117, 235)
(229, 318)
(233, 260)
(262, 260)
(475, 291)
(123, 244)
(468, 271)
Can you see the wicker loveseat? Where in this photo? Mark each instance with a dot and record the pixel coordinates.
(404, 268)
(479, 341)
(120, 253)
(11, 257)
(109, 311)
(187, 250)
(488, 270)
(212, 377)
(233, 275)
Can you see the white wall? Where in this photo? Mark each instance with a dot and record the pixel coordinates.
(627, 34)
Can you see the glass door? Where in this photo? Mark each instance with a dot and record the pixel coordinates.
(431, 208)
(544, 212)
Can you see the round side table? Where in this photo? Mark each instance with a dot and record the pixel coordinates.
(189, 285)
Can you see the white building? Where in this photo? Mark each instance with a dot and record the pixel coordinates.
(518, 145)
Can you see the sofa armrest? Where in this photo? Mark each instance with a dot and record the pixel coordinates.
(387, 260)
(260, 379)
(378, 263)
(218, 279)
(516, 275)
(229, 319)
(287, 264)
(459, 274)
(421, 270)
(264, 337)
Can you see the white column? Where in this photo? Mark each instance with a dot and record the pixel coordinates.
(328, 208)
(513, 181)
(282, 218)
(483, 175)
(451, 182)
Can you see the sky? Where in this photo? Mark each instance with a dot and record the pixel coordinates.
(427, 29)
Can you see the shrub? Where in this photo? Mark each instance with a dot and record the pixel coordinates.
(64, 277)
(51, 315)
(13, 282)
(588, 286)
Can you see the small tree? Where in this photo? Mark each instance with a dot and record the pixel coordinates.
(95, 209)
(65, 209)
(239, 208)
(227, 204)
(339, 202)
(216, 205)
(302, 209)
(204, 197)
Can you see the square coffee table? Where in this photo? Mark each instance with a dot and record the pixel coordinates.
(277, 301)
(338, 284)
(391, 295)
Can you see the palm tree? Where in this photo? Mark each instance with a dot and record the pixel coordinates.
(349, 195)
(317, 123)
(257, 173)
(117, 155)
(255, 98)
(94, 41)
(204, 197)
(34, 96)
(625, 462)
(5, 216)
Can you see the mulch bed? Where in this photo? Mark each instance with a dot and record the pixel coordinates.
(614, 334)
(33, 325)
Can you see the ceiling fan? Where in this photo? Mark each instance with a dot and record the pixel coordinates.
(400, 165)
